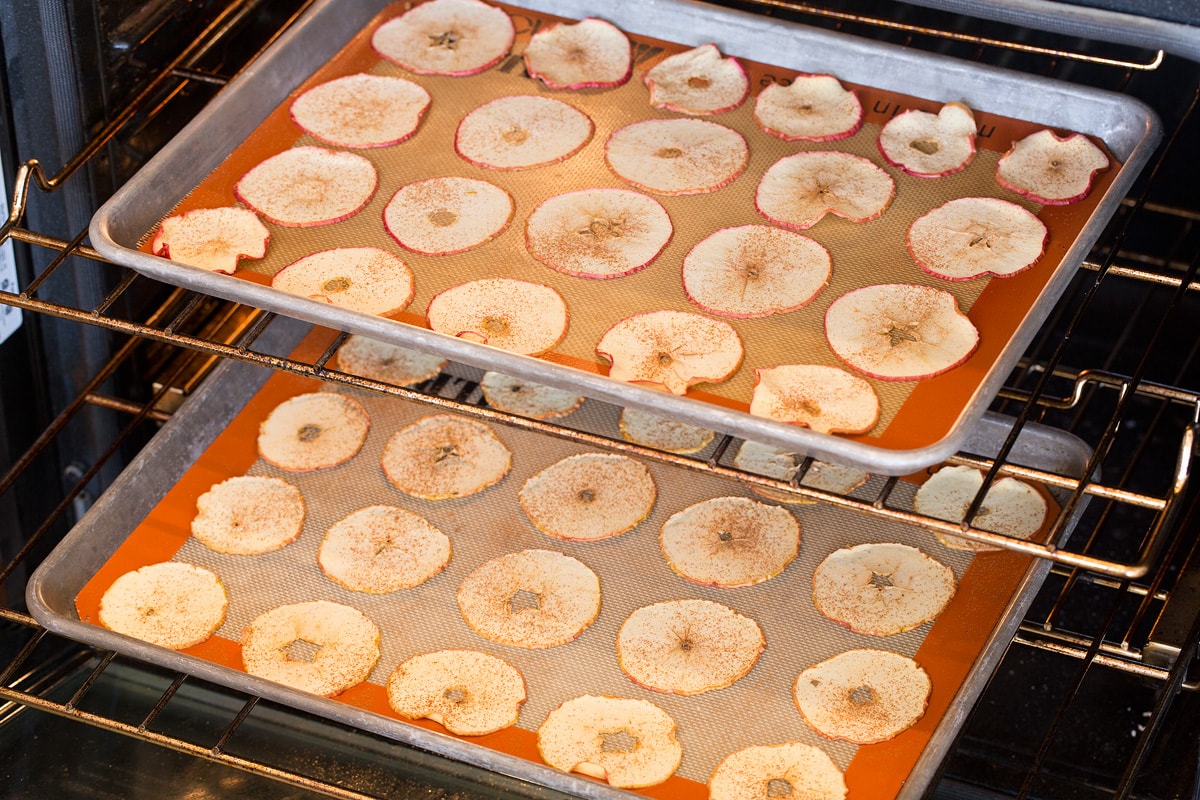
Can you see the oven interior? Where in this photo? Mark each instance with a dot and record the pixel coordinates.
(1093, 698)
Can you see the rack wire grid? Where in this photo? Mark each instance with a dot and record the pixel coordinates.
(1116, 365)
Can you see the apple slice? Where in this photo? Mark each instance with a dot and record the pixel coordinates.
(1010, 507)
(170, 604)
(517, 396)
(899, 332)
(755, 271)
(698, 81)
(863, 696)
(792, 769)
(671, 350)
(676, 156)
(930, 145)
(522, 131)
(388, 363)
(775, 462)
(307, 186)
(364, 279)
(467, 692)
(589, 496)
(212, 238)
(446, 37)
(662, 433)
(598, 233)
(1050, 169)
(518, 316)
(812, 108)
(975, 236)
(440, 216)
(798, 190)
(730, 541)
(361, 110)
(589, 54)
(825, 399)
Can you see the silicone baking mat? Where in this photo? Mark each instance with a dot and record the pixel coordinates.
(917, 417)
(758, 709)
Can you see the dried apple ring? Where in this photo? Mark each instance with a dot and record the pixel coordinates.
(441, 216)
(307, 186)
(812, 108)
(775, 462)
(467, 692)
(825, 399)
(387, 363)
(797, 191)
(518, 316)
(629, 743)
(676, 156)
(278, 646)
(361, 110)
(1050, 169)
(971, 237)
(698, 81)
(313, 431)
(930, 145)
(1010, 507)
(444, 456)
(792, 769)
(662, 433)
(526, 399)
(446, 37)
(862, 696)
(688, 646)
(589, 54)
(212, 238)
(881, 589)
(522, 131)
(671, 350)
(730, 541)
(589, 496)
(171, 604)
(380, 549)
(532, 599)
(248, 515)
(363, 279)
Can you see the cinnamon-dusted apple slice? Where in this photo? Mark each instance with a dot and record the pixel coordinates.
(1050, 169)
(467, 692)
(930, 145)
(518, 316)
(662, 433)
(899, 332)
(1010, 507)
(688, 646)
(598, 233)
(532, 599)
(589, 54)
(671, 350)
(755, 271)
(798, 190)
(307, 186)
(248, 515)
(863, 696)
(522, 131)
(534, 400)
(826, 399)
(313, 431)
(812, 108)
(730, 541)
(379, 549)
(171, 604)
(775, 462)
(975, 236)
(629, 743)
(361, 110)
(214, 239)
(440, 216)
(446, 37)
(388, 363)
(364, 279)
(676, 156)
(445, 456)
(589, 496)
(698, 81)
(881, 589)
(792, 770)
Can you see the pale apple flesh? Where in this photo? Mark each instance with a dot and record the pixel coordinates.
(518, 316)
(671, 350)
(799, 190)
(971, 237)
(812, 108)
(214, 239)
(361, 110)
(825, 399)
(441, 216)
(598, 233)
(589, 54)
(676, 156)
(446, 37)
(1050, 169)
(307, 186)
(698, 81)
(930, 145)
(521, 132)
(365, 279)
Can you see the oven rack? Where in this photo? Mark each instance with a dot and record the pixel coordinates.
(1143, 628)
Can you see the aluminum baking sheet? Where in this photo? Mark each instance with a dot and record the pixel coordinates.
(145, 517)
(921, 421)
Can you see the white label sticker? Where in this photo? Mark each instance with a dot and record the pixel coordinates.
(10, 316)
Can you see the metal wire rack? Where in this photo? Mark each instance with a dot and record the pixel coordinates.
(1130, 565)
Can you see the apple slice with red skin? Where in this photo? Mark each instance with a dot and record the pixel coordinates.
(970, 237)
(212, 238)
(364, 279)
(518, 316)
(671, 350)
(522, 131)
(698, 81)
(446, 37)
(825, 399)
(598, 233)
(812, 108)
(1050, 169)
(930, 145)
(899, 332)
(307, 186)
(589, 54)
(798, 190)
(440, 216)
(676, 156)
(361, 110)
